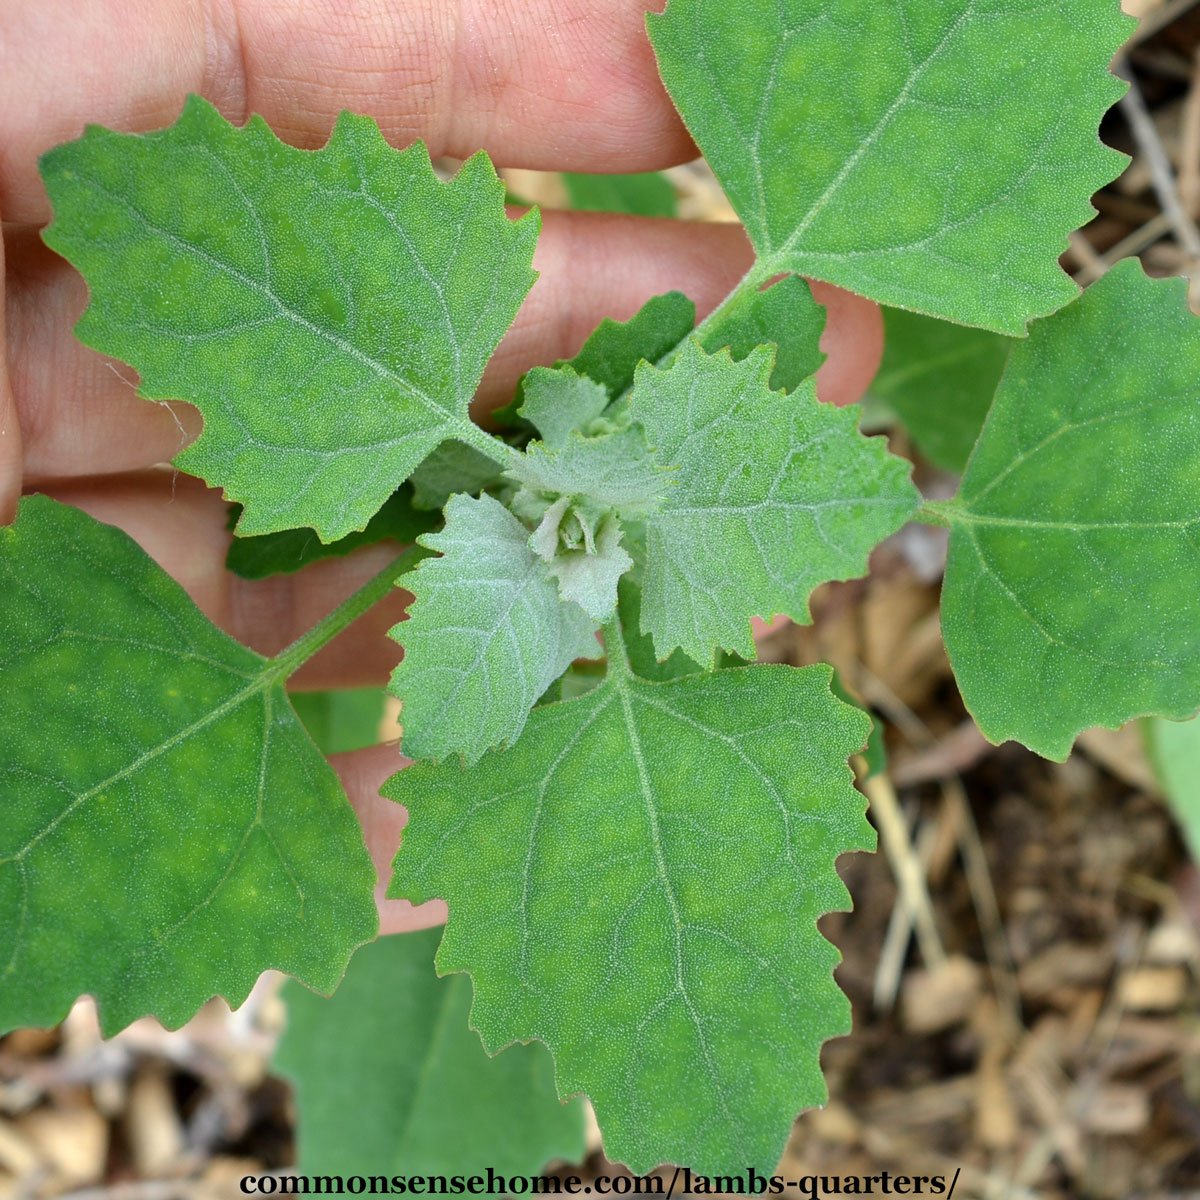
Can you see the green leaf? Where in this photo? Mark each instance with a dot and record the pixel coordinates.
(614, 470)
(772, 496)
(647, 194)
(784, 314)
(452, 468)
(637, 882)
(559, 401)
(289, 550)
(932, 156)
(330, 313)
(639, 646)
(1072, 592)
(1174, 748)
(939, 379)
(487, 636)
(169, 831)
(612, 352)
(390, 1080)
(342, 720)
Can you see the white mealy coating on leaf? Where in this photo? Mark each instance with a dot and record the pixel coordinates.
(487, 636)
(772, 495)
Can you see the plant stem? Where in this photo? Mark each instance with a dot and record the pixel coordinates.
(941, 513)
(614, 648)
(487, 445)
(288, 660)
(750, 283)
(747, 286)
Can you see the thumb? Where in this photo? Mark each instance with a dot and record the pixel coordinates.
(10, 429)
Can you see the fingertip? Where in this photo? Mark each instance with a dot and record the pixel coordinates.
(363, 773)
(852, 343)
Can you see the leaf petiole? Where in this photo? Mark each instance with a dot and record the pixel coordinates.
(940, 513)
(487, 445)
(292, 657)
(747, 287)
(614, 648)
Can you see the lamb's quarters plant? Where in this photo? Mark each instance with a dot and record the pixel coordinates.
(634, 854)
(401, 1086)
(938, 379)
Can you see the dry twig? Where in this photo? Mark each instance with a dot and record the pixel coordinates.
(906, 867)
(1133, 105)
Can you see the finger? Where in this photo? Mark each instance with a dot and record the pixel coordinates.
(596, 265)
(363, 773)
(81, 414)
(181, 524)
(557, 85)
(10, 426)
(852, 343)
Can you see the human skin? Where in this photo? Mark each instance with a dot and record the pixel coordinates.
(552, 85)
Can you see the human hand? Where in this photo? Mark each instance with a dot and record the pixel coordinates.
(563, 85)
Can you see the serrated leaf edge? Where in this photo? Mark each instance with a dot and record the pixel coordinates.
(349, 129)
(845, 902)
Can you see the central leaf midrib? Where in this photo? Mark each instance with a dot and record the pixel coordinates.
(965, 516)
(775, 502)
(623, 688)
(603, 697)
